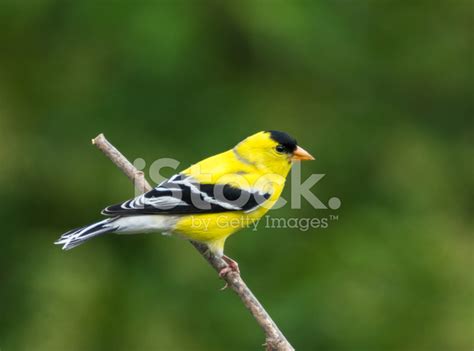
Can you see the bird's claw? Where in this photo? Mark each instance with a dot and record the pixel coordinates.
(232, 266)
(224, 271)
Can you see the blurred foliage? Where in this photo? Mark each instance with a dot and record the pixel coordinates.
(381, 92)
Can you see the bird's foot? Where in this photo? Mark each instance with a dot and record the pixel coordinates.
(232, 266)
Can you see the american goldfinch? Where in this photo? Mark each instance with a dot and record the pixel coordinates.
(208, 201)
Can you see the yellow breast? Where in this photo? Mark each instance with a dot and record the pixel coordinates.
(213, 228)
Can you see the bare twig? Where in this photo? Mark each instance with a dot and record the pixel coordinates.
(136, 176)
(275, 340)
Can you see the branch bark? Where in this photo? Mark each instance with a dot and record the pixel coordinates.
(275, 340)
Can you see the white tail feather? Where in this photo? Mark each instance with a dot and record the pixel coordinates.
(119, 225)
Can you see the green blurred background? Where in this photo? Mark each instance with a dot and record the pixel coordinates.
(381, 92)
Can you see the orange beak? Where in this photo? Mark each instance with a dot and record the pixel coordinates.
(301, 154)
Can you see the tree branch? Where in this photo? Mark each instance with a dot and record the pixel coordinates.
(275, 340)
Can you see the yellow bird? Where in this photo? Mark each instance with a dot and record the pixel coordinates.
(208, 201)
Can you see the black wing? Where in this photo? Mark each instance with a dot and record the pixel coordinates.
(183, 195)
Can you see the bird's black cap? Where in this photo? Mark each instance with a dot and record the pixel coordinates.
(284, 139)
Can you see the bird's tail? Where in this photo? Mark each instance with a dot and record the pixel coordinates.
(78, 236)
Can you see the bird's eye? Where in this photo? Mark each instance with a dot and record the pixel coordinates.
(280, 148)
